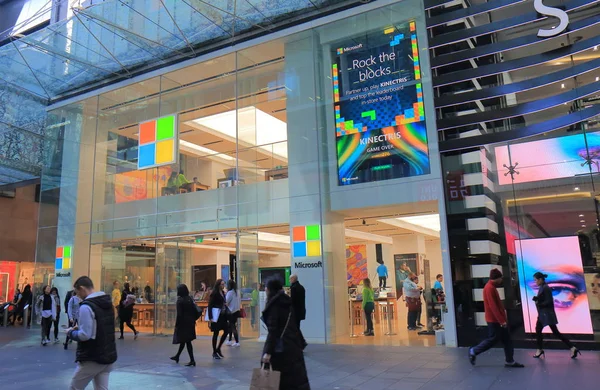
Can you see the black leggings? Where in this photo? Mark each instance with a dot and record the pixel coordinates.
(190, 350)
(233, 331)
(55, 323)
(540, 336)
(216, 336)
(46, 325)
(129, 324)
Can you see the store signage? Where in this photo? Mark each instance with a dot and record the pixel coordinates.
(306, 241)
(63, 274)
(317, 264)
(562, 16)
(63, 258)
(158, 141)
(379, 106)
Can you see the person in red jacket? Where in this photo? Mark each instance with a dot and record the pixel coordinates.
(495, 316)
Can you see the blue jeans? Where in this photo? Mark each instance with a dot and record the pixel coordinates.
(497, 333)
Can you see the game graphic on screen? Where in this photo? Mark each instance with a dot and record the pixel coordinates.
(379, 110)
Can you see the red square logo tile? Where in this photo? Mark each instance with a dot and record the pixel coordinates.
(147, 132)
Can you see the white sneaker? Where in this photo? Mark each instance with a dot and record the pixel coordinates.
(228, 343)
(56, 341)
(235, 345)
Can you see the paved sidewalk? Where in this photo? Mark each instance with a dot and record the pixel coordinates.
(144, 364)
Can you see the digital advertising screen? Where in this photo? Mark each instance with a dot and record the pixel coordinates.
(546, 159)
(379, 109)
(560, 259)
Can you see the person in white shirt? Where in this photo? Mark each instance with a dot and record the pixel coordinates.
(73, 310)
(233, 302)
(46, 308)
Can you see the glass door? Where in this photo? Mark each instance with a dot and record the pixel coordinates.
(247, 259)
(172, 268)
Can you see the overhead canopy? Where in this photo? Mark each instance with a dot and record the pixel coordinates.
(117, 38)
(114, 40)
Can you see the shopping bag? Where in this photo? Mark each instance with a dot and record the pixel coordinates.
(263, 379)
(243, 313)
(215, 315)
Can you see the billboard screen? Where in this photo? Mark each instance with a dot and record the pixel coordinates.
(379, 109)
(560, 259)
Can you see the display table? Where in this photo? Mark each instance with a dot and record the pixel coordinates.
(382, 305)
(276, 174)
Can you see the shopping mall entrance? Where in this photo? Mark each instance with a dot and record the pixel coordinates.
(405, 239)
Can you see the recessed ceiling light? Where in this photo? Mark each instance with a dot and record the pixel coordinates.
(597, 78)
(576, 189)
(582, 221)
(580, 215)
(582, 225)
(562, 85)
(596, 48)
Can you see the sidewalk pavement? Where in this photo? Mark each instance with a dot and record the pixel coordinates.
(144, 364)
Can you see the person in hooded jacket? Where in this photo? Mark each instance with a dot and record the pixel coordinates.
(126, 311)
(46, 308)
(185, 324)
(283, 346)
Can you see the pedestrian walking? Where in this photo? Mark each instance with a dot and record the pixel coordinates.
(95, 336)
(24, 299)
(185, 324)
(382, 272)
(217, 316)
(46, 309)
(298, 295)
(56, 320)
(283, 346)
(544, 302)
(234, 303)
(126, 311)
(73, 313)
(496, 319)
(368, 305)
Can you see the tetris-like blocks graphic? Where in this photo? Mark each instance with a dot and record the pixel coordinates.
(157, 142)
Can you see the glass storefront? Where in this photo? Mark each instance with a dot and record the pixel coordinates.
(305, 154)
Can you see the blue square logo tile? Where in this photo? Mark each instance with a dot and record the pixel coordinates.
(300, 249)
(146, 155)
(58, 264)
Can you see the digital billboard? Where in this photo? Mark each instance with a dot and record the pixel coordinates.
(546, 159)
(560, 259)
(379, 109)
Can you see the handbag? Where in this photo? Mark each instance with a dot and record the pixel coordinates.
(279, 346)
(243, 313)
(263, 379)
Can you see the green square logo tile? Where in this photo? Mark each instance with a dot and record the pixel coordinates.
(165, 128)
(67, 251)
(313, 232)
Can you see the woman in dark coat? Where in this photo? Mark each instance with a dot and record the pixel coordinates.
(217, 301)
(185, 324)
(547, 317)
(126, 312)
(283, 347)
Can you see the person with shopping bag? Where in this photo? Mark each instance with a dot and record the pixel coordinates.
(216, 314)
(282, 351)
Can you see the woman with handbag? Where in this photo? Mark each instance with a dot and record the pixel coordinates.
(283, 346)
(544, 302)
(217, 307)
(185, 324)
(234, 303)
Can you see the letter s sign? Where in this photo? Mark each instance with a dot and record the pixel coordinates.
(562, 16)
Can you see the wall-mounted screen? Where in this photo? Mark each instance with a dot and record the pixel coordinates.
(560, 259)
(548, 159)
(379, 109)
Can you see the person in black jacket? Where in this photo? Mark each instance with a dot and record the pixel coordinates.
(298, 294)
(544, 302)
(185, 324)
(126, 312)
(283, 346)
(217, 301)
(95, 336)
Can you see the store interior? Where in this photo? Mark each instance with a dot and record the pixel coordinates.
(403, 234)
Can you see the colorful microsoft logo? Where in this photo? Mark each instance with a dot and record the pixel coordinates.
(307, 241)
(63, 257)
(340, 51)
(157, 142)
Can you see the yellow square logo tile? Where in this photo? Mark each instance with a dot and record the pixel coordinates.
(313, 248)
(164, 151)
